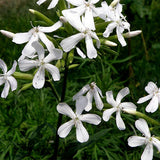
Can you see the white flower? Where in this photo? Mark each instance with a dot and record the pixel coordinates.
(7, 79)
(52, 4)
(149, 141)
(43, 63)
(87, 8)
(70, 42)
(118, 107)
(77, 119)
(33, 35)
(92, 91)
(154, 95)
(116, 19)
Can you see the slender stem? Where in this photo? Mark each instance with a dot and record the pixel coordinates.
(141, 115)
(56, 144)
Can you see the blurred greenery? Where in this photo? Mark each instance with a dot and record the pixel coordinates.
(28, 119)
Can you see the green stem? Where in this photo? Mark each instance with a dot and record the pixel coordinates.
(141, 115)
(59, 122)
(54, 91)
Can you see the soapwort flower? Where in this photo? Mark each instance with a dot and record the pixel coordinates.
(76, 119)
(118, 107)
(154, 95)
(147, 140)
(52, 4)
(43, 63)
(35, 34)
(70, 42)
(7, 79)
(87, 8)
(116, 19)
(92, 92)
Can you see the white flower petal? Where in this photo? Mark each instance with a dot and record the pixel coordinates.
(13, 69)
(119, 121)
(39, 78)
(90, 118)
(151, 87)
(65, 109)
(53, 70)
(110, 99)
(5, 91)
(107, 113)
(120, 37)
(81, 103)
(53, 4)
(156, 142)
(51, 28)
(153, 105)
(74, 19)
(2, 80)
(109, 29)
(20, 38)
(135, 141)
(128, 105)
(65, 128)
(55, 55)
(39, 48)
(28, 50)
(80, 53)
(98, 101)
(121, 94)
(46, 41)
(94, 1)
(13, 82)
(94, 35)
(81, 92)
(40, 2)
(3, 66)
(89, 96)
(142, 126)
(81, 133)
(148, 152)
(26, 65)
(89, 21)
(69, 43)
(76, 3)
(91, 51)
(144, 99)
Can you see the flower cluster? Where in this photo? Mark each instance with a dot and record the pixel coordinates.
(39, 53)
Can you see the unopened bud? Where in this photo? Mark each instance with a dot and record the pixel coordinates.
(63, 19)
(110, 43)
(114, 3)
(7, 33)
(132, 34)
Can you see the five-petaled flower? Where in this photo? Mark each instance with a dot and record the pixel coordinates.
(43, 63)
(118, 107)
(87, 8)
(77, 119)
(7, 79)
(148, 140)
(92, 92)
(116, 19)
(35, 34)
(70, 42)
(154, 95)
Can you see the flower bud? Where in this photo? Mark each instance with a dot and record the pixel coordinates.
(114, 3)
(110, 43)
(41, 16)
(7, 33)
(132, 34)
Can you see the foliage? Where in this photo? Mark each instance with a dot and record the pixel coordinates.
(27, 119)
